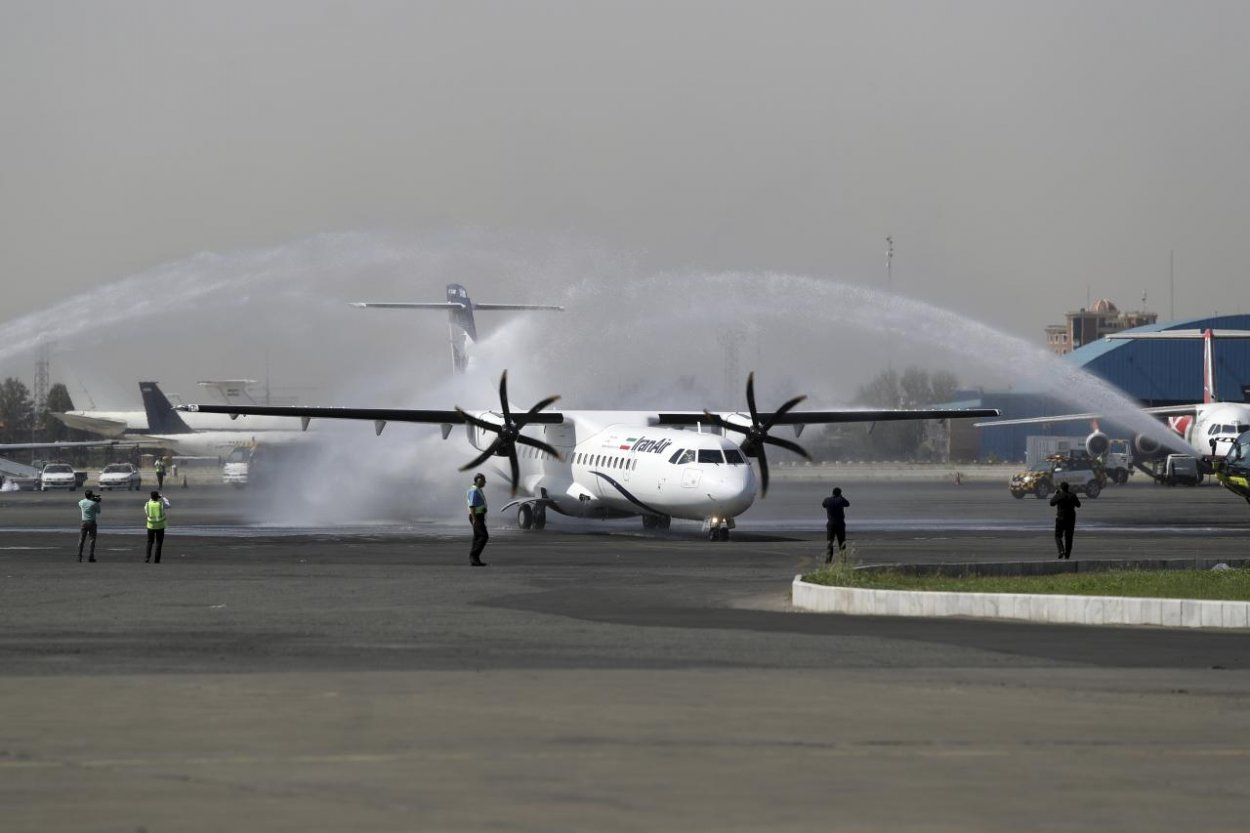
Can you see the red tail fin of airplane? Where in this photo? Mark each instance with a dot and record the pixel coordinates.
(1208, 366)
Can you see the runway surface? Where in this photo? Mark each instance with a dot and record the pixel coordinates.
(596, 677)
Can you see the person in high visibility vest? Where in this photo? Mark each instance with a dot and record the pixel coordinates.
(154, 511)
(160, 472)
(477, 519)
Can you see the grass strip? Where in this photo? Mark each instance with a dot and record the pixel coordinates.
(1225, 585)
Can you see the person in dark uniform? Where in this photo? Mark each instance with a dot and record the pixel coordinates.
(89, 506)
(835, 507)
(477, 520)
(1066, 503)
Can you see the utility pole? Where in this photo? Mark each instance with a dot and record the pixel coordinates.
(889, 289)
(730, 340)
(889, 264)
(43, 358)
(1171, 285)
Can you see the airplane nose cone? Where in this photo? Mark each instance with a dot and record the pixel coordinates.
(732, 488)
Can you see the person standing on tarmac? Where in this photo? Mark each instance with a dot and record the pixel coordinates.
(154, 511)
(477, 519)
(90, 508)
(1066, 503)
(835, 528)
(160, 472)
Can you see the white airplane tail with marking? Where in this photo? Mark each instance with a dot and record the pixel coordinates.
(459, 317)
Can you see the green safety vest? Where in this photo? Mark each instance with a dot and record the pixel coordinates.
(156, 514)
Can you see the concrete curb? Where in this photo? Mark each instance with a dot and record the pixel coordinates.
(1074, 610)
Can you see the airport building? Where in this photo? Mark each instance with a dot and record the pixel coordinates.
(1152, 372)
(1086, 326)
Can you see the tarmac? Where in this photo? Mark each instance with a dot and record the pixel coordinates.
(599, 677)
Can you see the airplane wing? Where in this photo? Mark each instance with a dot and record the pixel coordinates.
(1162, 410)
(96, 425)
(307, 413)
(76, 444)
(407, 305)
(826, 417)
(450, 305)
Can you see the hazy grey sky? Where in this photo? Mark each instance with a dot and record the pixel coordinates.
(1021, 154)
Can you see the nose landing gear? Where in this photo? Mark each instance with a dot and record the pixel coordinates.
(718, 528)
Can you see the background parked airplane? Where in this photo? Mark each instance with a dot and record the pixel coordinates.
(1206, 429)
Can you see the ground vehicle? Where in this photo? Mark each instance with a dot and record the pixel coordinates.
(59, 476)
(1117, 459)
(1181, 468)
(1082, 473)
(234, 470)
(120, 476)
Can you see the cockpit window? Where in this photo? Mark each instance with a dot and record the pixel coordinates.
(734, 457)
(676, 454)
(711, 455)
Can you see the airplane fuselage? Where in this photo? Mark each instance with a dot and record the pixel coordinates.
(615, 465)
(1213, 428)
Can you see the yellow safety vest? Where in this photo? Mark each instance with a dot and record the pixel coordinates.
(156, 514)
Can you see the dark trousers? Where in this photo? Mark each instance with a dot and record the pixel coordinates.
(1064, 529)
(835, 532)
(480, 538)
(160, 480)
(157, 535)
(88, 531)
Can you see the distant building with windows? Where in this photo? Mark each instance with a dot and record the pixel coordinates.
(1085, 326)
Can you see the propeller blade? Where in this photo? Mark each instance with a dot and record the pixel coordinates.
(788, 446)
(483, 457)
(472, 420)
(516, 468)
(763, 472)
(503, 396)
(717, 419)
(755, 420)
(782, 410)
(541, 446)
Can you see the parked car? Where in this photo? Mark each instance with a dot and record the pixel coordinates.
(58, 476)
(120, 476)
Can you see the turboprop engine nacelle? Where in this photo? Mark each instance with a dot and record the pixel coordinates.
(480, 438)
(1097, 444)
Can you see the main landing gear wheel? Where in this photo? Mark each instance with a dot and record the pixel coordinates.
(529, 516)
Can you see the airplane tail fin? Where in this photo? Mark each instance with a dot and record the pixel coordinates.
(1208, 336)
(231, 391)
(162, 418)
(1208, 366)
(460, 319)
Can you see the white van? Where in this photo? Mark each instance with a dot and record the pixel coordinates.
(1181, 468)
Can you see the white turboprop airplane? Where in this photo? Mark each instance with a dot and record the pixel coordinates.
(1206, 428)
(611, 464)
(459, 317)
